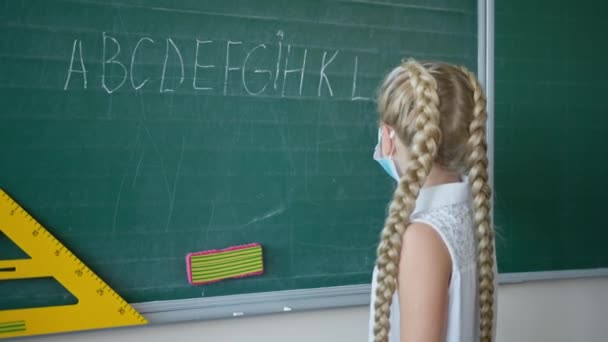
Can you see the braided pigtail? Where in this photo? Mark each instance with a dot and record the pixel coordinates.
(481, 193)
(410, 94)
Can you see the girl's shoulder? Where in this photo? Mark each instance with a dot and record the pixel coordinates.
(454, 223)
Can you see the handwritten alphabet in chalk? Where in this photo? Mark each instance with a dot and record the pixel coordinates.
(284, 63)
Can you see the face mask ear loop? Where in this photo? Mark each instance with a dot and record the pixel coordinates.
(391, 135)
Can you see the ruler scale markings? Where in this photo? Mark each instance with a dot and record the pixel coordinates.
(97, 302)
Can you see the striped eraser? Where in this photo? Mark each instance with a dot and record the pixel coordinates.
(219, 264)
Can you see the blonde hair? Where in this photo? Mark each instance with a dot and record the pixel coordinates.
(439, 112)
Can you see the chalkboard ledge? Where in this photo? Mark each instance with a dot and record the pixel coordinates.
(254, 304)
(305, 299)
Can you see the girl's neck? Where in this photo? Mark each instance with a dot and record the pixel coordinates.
(439, 175)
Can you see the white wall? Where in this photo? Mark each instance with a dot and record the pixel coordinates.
(556, 311)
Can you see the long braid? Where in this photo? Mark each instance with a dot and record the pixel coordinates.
(424, 115)
(480, 189)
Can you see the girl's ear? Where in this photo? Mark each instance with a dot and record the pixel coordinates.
(387, 141)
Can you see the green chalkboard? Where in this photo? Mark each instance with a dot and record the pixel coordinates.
(140, 131)
(551, 134)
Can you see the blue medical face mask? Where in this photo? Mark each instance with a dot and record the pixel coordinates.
(387, 163)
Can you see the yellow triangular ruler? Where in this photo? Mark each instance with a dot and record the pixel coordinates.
(98, 305)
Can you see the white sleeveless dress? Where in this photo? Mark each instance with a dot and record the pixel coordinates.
(447, 208)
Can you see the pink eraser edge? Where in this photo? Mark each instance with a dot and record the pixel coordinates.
(215, 251)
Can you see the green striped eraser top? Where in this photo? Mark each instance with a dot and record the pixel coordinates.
(219, 264)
